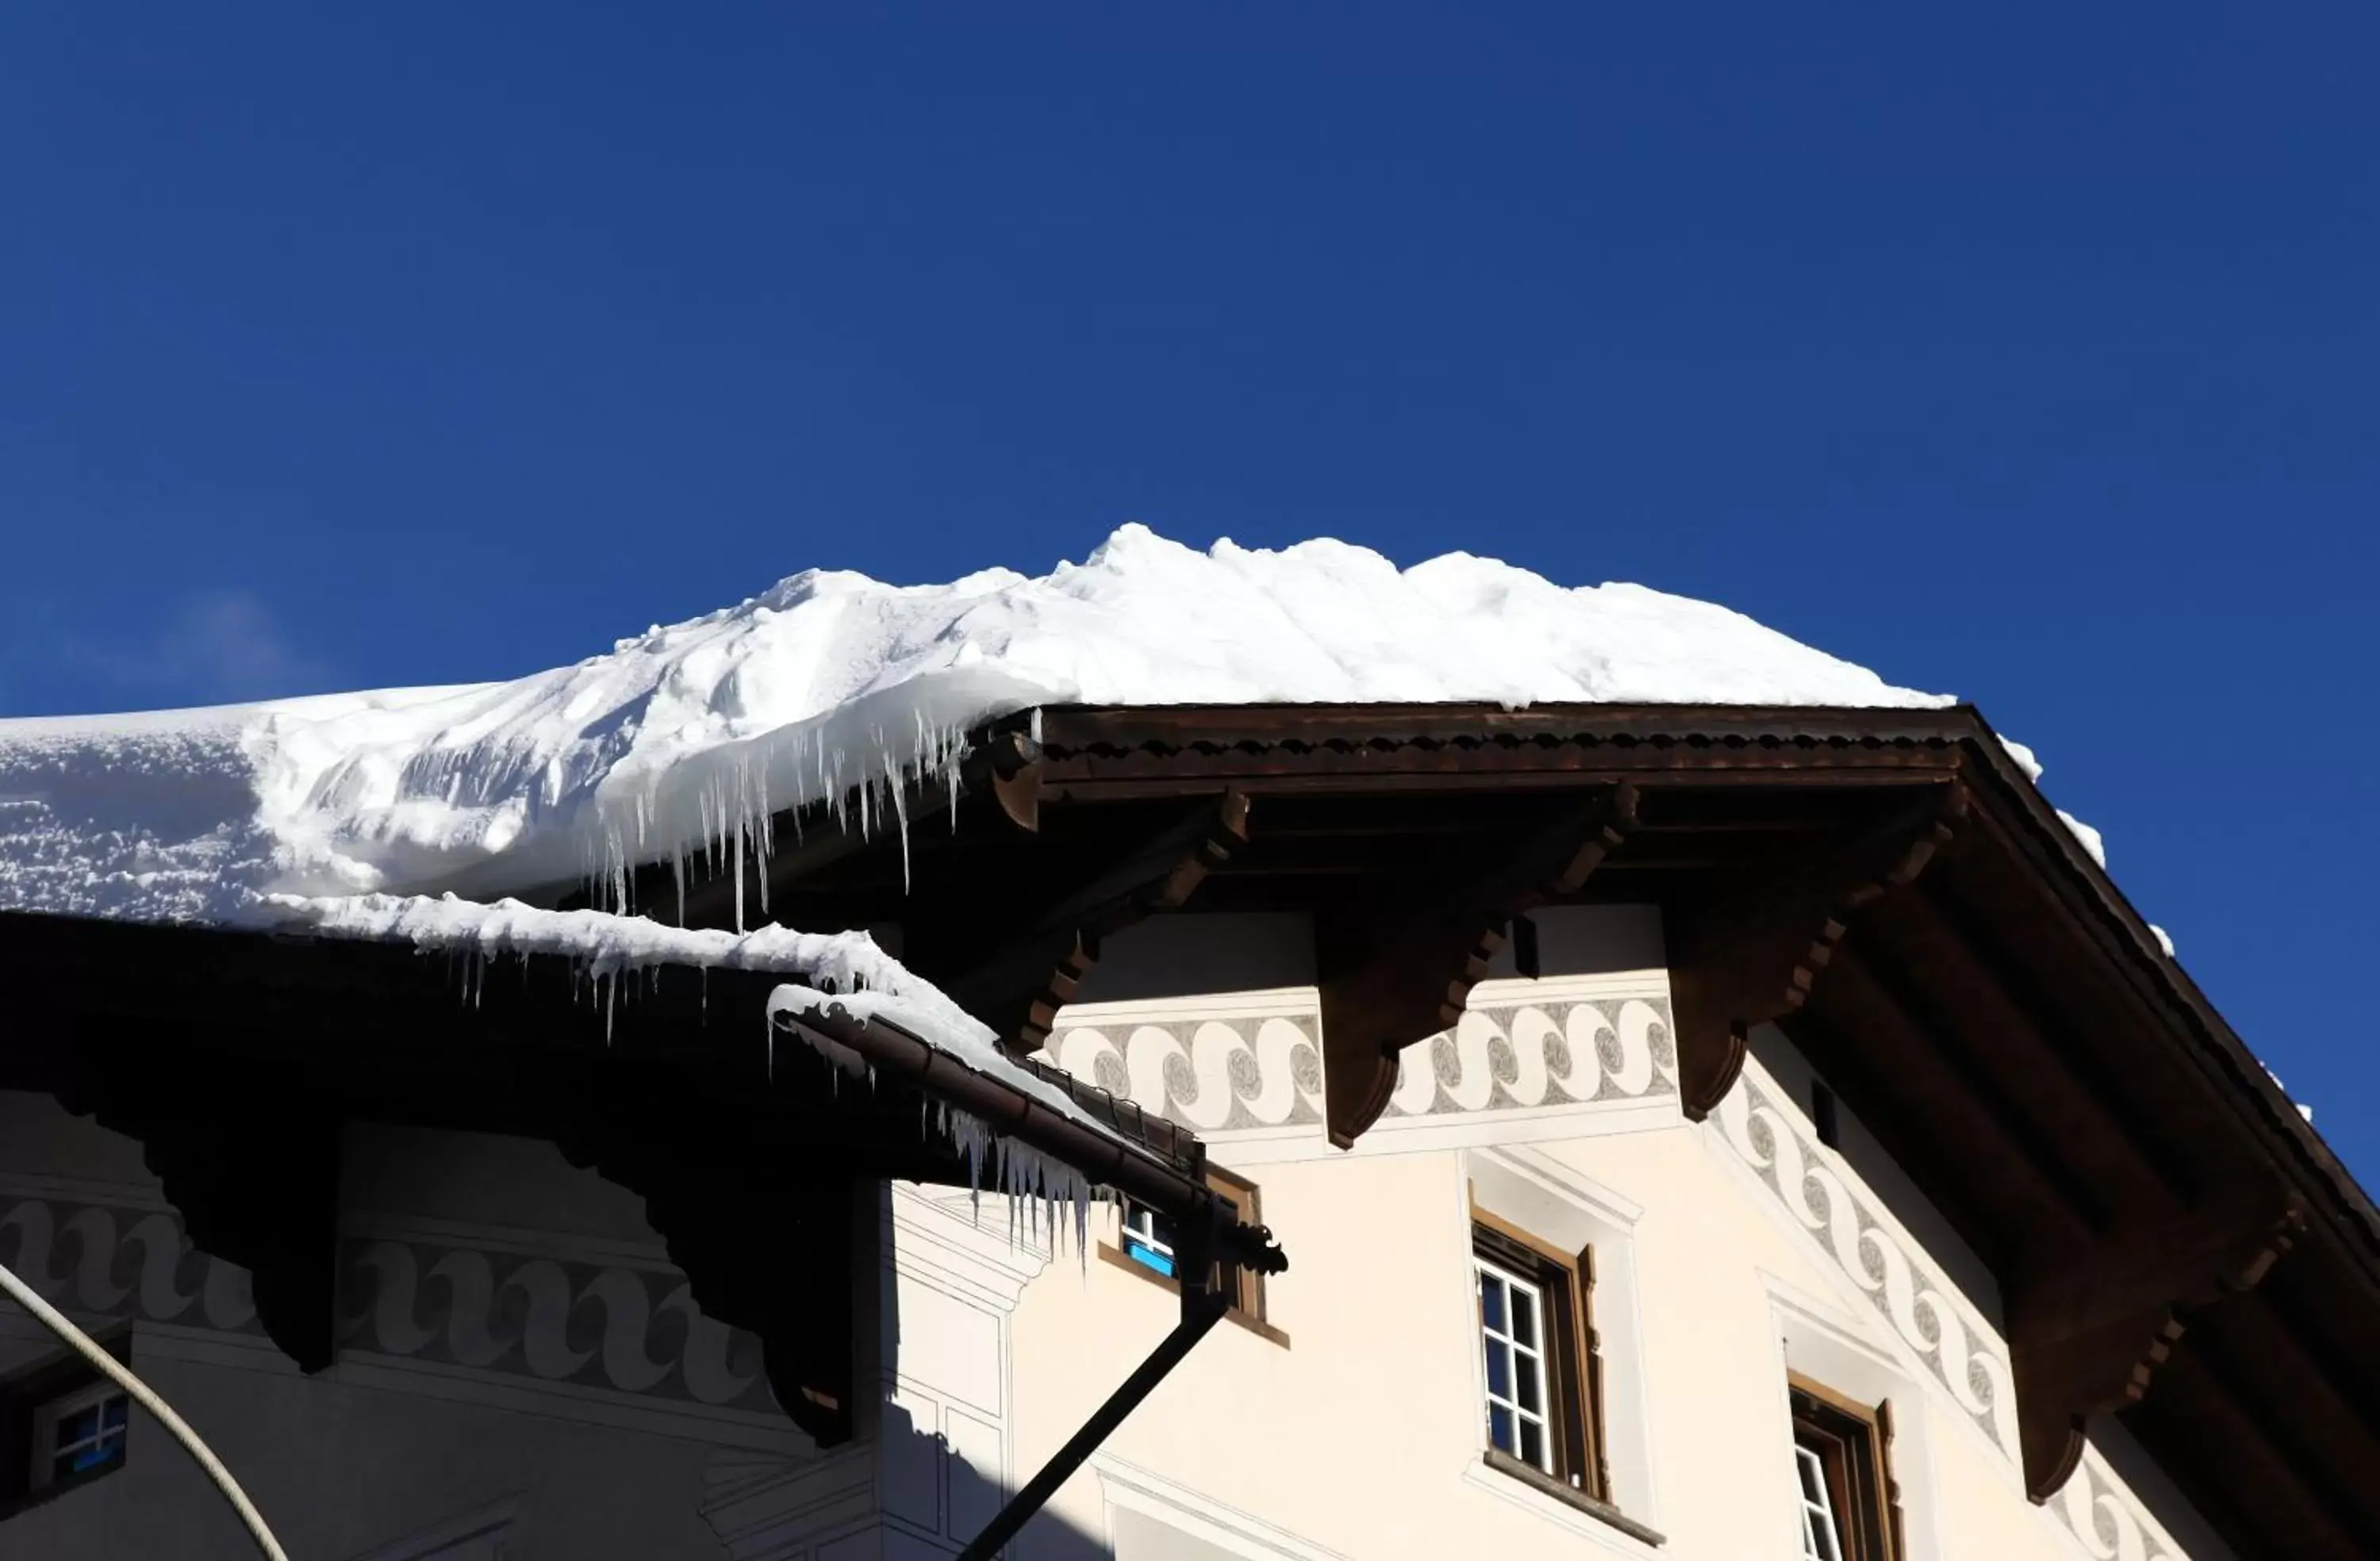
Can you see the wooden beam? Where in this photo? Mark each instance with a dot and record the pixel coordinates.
(253, 1171)
(1397, 965)
(1993, 996)
(1753, 956)
(1013, 760)
(794, 1287)
(1019, 989)
(2244, 1465)
(2088, 1329)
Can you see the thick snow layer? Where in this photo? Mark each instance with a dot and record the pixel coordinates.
(826, 682)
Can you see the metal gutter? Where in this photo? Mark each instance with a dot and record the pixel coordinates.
(1171, 1181)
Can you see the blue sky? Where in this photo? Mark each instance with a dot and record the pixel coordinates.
(2026, 352)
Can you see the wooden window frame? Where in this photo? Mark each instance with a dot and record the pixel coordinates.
(1248, 1308)
(1853, 1444)
(1575, 1375)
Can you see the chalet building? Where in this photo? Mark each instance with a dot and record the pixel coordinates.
(1688, 1133)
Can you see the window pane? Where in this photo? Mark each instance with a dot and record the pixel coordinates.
(1528, 1375)
(92, 1457)
(1524, 1317)
(1814, 1479)
(1533, 1443)
(80, 1426)
(112, 1412)
(1820, 1539)
(1499, 1428)
(1500, 1370)
(1150, 1257)
(1491, 1301)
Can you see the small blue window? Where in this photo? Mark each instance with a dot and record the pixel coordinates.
(1148, 1240)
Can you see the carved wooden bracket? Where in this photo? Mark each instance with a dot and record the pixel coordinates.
(254, 1175)
(1753, 957)
(1397, 969)
(1015, 763)
(1019, 990)
(766, 1245)
(2087, 1332)
(1389, 976)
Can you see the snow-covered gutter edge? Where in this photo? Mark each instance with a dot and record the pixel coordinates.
(843, 996)
(857, 1034)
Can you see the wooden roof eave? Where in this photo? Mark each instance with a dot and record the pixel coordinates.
(233, 1057)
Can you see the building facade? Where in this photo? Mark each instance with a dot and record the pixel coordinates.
(1680, 1312)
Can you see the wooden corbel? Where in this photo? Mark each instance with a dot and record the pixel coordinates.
(1014, 761)
(1019, 989)
(253, 1171)
(2088, 1330)
(794, 1290)
(1754, 956)
(1398, 967)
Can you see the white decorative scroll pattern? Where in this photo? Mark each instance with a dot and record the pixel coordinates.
(1883, 1261)
(2105, 1517)
(121, 1262)
(1254, 1060)
(596, 1326)
(1516, 1053)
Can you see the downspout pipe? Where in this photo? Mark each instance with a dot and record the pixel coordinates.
(1212, 1246)
(1207, 1290)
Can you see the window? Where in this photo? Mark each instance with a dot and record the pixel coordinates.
(79, 1434)
(61, 1424)
(1149, 1240)
(1850, 1509)
(1543, 1380)
(1145, 1244)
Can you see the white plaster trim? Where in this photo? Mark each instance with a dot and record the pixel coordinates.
(561, 1245)
(766, 1430)
(781, 1512)
(1430, 1135)
(1570, 1185)
(1202, 1516)
(1554, 1510)
(1515, 991)
(1920, 1282)
(145, 1197)
(1827, 1323)
(2096, 1491)
(1263, 1003)
(965, 1242)
(1629, 1427)
(490, 1520)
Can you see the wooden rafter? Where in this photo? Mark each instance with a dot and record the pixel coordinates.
(1021, 985)
(1397, 966)
(2087, 1334)
(1753, 956)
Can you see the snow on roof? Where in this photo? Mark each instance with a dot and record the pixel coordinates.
(844, 968)
(827, 680)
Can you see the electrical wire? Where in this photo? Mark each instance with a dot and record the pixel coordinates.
(88, 1349)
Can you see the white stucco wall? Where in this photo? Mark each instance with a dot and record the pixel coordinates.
(456, 1424)
(1360, 1435)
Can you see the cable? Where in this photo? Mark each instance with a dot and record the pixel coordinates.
(56, 1321)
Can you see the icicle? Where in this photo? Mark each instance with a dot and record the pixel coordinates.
(901, 811)
(738, 853)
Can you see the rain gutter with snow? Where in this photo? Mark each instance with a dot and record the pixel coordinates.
(1211, 1244)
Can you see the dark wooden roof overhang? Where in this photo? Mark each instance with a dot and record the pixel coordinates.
(235, 1059)
(1885, 884)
